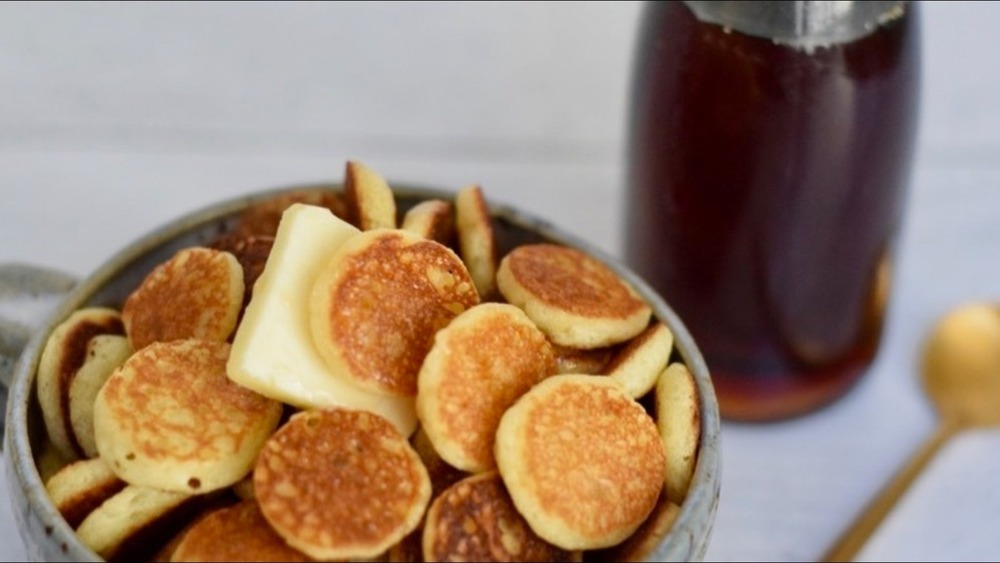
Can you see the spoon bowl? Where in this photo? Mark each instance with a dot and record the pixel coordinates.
(961, 366)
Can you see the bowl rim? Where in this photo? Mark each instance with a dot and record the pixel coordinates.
(690, 531)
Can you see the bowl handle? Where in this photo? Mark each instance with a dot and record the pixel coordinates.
(28, 295)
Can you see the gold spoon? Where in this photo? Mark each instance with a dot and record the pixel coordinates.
(961, 374)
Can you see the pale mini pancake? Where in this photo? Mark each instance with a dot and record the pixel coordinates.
(370, 203)
(197, 293)
(133, 522)
(105, 353)
(273, 350)
(236, 533)
(642, 360)
(641, 544)
(476, 240)
(582, 460)
(579, 361)
(263, 217)
(378, 302)
(679, 422)
(575, 299)
(64, 353)
(432, 219)
(341, 484)
(479, 366)
(81, 487)
(475, 520)
(171, 419)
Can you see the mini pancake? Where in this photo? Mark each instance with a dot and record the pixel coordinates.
(171, 419)
(133, 524)
(642, 360)
(582, 461)
(263, 217)
(340, 484)
(370, 203)
(431, 219)
(251, 251)
(105, 353)
(584, 362)
(64, 354)
(479, 366)
(236, 533)
(575, 299)
(197, 293)
(81, 487)
(641, 544)
(679, 422)
(475, 520)
(378, 303)
(476, 240)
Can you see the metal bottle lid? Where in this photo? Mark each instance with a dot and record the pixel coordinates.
(805, 24)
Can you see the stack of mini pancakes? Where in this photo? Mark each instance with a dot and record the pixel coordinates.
(337, 379)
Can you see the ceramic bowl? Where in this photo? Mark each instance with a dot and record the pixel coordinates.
(45, 534)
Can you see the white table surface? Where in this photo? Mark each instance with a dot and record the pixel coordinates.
(117, 118)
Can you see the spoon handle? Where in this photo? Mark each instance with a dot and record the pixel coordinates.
(851, 541)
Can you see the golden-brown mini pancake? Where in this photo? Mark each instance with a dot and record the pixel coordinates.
(263, 217)
(170, 418)
(642, 360)
(475, 520)
(236, 533)
(575, 299)
(432, 219)
(341, 484)
(582, 460)
(678, 419)
(105, 353)
(479, 366)
(134, 521)
(476, 240)
(370, 202)
(379, 301)
(64, 354)
(197, 293)
(641, 544)
(81, 487)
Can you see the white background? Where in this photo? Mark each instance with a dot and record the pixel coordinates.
(115, 118)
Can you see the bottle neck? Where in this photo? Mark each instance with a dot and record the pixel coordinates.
(804, 24)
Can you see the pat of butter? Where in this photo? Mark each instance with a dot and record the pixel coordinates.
(273, 351)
